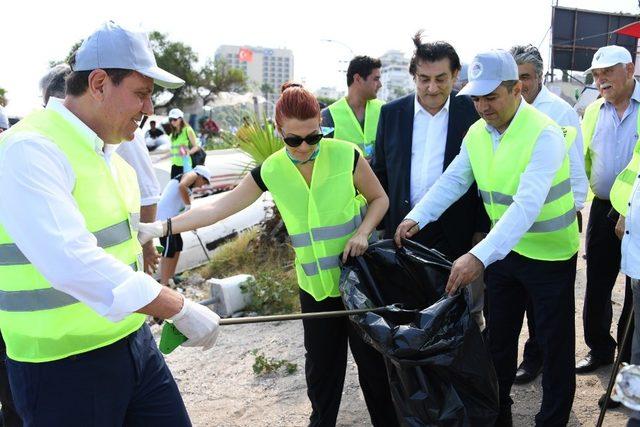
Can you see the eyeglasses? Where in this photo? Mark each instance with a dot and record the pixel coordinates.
(295, 140)
(173, 120)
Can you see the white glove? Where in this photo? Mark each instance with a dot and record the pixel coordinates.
(148, 230)
(198, 324)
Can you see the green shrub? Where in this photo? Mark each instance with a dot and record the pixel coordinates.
(263, 365)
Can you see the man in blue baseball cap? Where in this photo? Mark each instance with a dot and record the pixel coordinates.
(518, 158)
(73, 296)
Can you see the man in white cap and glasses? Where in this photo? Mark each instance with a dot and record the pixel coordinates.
(73, 298)
(610, 129)
(518, 158)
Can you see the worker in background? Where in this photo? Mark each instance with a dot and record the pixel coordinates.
(518, 157)
(74, 295)
(354, 118)
(176, 198)
(530, 68)
(610, 129)
(331, 208)
(184, 143)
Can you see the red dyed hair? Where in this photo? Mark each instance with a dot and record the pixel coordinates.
(296, 102)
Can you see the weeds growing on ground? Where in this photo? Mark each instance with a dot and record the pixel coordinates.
(264, 365)
(275, 288)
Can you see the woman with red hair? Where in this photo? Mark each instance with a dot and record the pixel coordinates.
(331, 202)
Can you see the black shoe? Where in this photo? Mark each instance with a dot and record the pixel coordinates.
(526, 373)
(611, 404)
(590, 363)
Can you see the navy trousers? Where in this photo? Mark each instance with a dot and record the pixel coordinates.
(549, 286)
(124, 384)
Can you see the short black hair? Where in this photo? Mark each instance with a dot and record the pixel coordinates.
(363, 66)
(152, 121)
(77, 82)
(431, 52)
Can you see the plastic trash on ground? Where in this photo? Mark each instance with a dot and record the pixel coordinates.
(627, 387)
(440, 372)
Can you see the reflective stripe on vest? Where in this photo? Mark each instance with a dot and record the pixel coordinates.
(328, 232)
(497, 170)
(38, 299)
(113, 235)
(348, 128)
(320, 217)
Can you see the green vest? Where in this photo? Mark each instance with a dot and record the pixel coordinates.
(38, 322)
(623, 185)
(181, 140)
(347, 127)
(554, 234)
(320, 219)
(588, 125)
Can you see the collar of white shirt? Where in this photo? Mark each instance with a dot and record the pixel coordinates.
(418, 107)
(543, 97)
(90, 137)
(494, 132)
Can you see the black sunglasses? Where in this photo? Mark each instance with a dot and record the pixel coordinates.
(295, 140)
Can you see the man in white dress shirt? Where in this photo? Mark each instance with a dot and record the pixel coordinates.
(518, 158)
(72, 305)
(530, 68)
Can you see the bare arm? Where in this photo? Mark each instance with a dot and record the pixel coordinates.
(167, 304)
(368, 185)
(192, 142)
(185, 182)
(149, 254)
(236, 200)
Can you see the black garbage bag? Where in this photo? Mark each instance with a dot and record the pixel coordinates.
(440, 372)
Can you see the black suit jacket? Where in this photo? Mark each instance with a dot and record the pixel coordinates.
(392, 165)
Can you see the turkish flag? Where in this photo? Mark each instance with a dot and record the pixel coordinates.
(245, 55)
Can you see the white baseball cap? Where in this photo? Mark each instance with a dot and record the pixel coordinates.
(203, 172)
(608, 56)
(4, 120)
(176, 113)
(112, 46)
(488, 70)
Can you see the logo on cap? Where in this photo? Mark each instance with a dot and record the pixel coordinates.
(598, 56)
(476, 70)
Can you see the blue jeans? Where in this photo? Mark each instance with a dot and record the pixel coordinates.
(126, 383)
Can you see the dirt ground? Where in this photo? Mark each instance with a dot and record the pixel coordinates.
(220, 388)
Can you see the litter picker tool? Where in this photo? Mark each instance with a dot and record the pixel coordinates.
(171, 337)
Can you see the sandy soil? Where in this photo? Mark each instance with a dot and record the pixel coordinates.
(220, 388)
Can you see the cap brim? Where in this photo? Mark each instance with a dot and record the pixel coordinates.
(601, 65)
(162, 78)
(479, 87)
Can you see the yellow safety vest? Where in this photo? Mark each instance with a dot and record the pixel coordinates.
(181, 140)
(623, 185)
(38, 322)
(347, 127)
(320, 219)
(554, 234)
